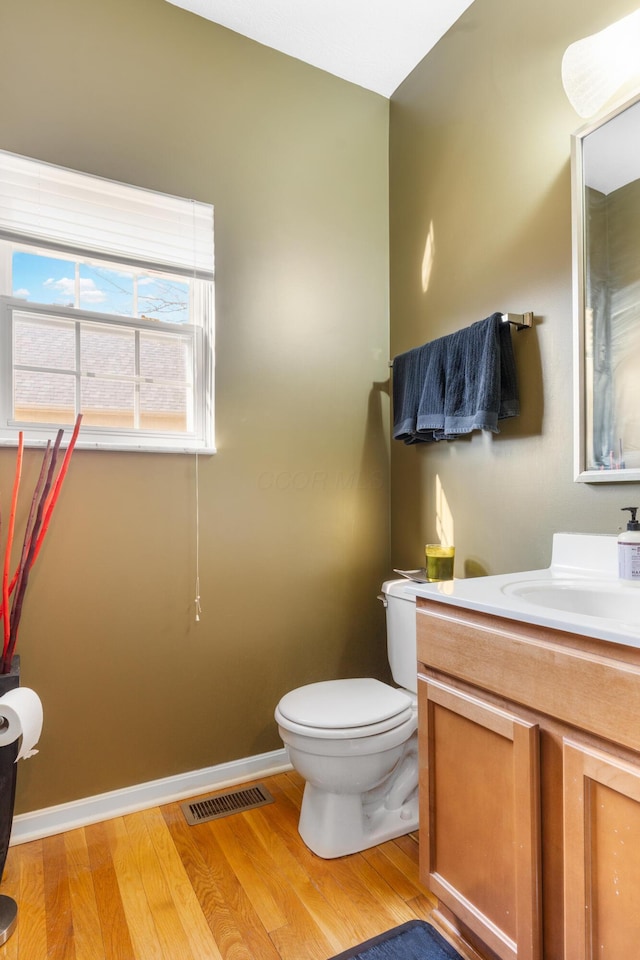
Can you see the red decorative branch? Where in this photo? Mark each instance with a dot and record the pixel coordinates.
(55, 493)
(44, 499)
(7, 553)
(23, 576)
(30, 522)
(28, 530)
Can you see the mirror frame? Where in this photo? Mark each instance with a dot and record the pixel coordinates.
(580, 417)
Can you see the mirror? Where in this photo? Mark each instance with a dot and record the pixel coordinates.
(606, 244)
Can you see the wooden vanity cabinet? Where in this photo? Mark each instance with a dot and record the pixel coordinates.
(529, 744)
(602, 854)
(481, 839)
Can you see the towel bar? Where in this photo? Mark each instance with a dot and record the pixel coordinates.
(521, 321)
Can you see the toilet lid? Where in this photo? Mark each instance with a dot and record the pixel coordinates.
(342, 704)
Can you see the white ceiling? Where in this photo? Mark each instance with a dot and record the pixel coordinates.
(373, 43)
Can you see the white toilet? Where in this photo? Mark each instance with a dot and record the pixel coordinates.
(355, 744)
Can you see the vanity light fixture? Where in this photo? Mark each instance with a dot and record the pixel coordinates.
(597, 67)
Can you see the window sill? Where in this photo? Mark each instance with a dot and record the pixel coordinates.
(114, 447)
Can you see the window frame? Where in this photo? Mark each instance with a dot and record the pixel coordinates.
(200, 337)
(53, 211)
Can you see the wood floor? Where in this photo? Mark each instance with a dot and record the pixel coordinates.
(147, 886)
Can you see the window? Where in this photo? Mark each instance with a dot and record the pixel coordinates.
(106, 308)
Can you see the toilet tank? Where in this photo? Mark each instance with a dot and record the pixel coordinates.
(402, 648)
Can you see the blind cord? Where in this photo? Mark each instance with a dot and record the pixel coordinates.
(197, 597)
(198, 607)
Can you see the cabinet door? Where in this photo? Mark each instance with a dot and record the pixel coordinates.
(479, 817)
(602, 855)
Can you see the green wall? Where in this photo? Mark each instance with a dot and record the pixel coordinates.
(480, 164)
(294, 506)
(311, 179)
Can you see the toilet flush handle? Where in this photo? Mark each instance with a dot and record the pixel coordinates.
(382, 597)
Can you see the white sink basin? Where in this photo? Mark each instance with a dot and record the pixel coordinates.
(606, 599)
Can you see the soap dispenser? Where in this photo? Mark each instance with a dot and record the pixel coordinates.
(629, 549)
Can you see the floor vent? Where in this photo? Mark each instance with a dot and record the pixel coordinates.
(224, 804)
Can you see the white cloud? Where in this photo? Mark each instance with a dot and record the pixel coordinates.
(23, 293)
(66, 288)
(90, 293)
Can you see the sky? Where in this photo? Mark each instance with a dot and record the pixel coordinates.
(54, 280)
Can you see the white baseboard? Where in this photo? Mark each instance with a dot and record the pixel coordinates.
(104, 806)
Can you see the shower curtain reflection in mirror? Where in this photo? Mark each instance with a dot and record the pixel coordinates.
(606, 204)
(612, 326)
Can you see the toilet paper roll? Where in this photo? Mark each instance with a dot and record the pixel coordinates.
(21, 716)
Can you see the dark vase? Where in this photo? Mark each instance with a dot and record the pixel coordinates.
(8, 770)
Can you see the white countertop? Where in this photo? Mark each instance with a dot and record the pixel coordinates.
(587, 562)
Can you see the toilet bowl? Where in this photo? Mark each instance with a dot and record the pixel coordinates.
(354, 742)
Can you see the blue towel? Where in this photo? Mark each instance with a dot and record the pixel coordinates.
(456, 384)
(410, 370)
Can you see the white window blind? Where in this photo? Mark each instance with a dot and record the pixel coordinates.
(64, 209)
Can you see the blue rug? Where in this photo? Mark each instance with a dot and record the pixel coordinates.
(414, 940)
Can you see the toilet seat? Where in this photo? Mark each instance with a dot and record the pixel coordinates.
(341, 709)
